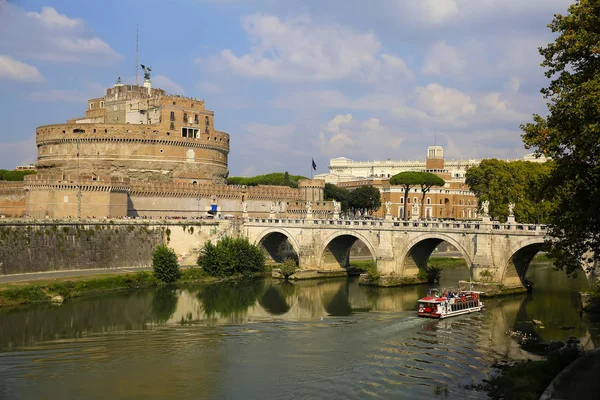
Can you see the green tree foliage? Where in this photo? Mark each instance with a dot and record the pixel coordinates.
(288, 267)
(425, 180)
(276, 179)
(570, 134)
(333, 192)
(231, 257)
(6, 175)
(164, 264)
(365, 198)
(523, 183)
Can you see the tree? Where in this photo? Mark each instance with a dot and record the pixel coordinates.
(333, 192)
(427, 181)
(415, 178)
(570, 134)
(288, 268)
(523, 183)
(164, 264)
(286, 179)
(231, 257)
(275, 178)
(365, 198)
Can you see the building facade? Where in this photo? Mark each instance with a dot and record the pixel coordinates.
(343, 169)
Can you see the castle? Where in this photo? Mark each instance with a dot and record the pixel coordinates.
(139, 151)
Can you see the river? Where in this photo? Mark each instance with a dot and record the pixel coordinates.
(264, 339)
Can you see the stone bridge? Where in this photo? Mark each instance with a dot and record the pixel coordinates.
(495, 252)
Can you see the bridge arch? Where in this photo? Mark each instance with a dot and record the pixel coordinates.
(272, 241)
(519, 258)
(419, 249)
(335, 253)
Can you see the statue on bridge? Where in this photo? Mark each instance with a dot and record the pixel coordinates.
(244, 206)
(511, 209)
(336, 206)
(485, 209)
(415, 210)
(388, 208)
(308, 207)
(272, 209)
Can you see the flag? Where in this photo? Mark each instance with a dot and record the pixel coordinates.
(314, 165)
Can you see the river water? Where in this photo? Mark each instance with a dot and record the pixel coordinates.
(267, 340)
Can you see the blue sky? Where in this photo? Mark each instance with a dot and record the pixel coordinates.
(289, 80)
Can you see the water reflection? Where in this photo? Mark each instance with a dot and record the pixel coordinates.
(194, 342)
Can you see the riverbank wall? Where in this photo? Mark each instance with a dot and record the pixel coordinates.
(56, 245)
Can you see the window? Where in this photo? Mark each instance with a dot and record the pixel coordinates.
(185, 120)
(172, 126)
(469, 202)
(91, 106)
(429, 200)
(172, 115)
(174, 103)
(207, 122)
(101, 104)
(196, 121)
(415, 200)
(402, 200)
(189, 132)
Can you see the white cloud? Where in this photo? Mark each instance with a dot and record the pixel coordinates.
(11, 69)
(439, 101)
(163, 82)
(50, 36)
(442, 58)
(514, 84)
(298, 49)
(50, 17)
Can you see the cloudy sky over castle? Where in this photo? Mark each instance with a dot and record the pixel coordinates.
(289, 79)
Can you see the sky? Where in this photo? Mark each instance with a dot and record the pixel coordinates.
(289, 80)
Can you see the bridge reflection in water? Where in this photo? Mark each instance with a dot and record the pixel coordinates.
(270, 337)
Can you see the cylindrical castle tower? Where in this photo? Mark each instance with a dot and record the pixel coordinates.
(311, 189)
(141, 133)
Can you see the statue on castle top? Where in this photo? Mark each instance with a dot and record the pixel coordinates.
(485, 208)
(147, 71)
(118, 82)
(511, 209)
(388, 207)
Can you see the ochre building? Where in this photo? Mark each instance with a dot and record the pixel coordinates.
(452, 201)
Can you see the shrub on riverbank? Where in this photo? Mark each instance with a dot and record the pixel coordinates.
(288, 268)
(230, 257)
(164, 264)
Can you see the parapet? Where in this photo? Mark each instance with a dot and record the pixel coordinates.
(311, 183)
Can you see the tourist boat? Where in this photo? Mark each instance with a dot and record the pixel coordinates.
(449, 303)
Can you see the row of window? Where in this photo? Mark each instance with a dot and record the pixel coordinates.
(196, 119)
(92, 105)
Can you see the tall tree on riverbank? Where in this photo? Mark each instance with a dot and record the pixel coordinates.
(521, 182)
(425, 180)
(570, 134)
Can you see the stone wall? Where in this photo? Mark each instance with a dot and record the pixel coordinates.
(38, 246)
(12, 199)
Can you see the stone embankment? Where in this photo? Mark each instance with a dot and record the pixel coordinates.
(29, 246)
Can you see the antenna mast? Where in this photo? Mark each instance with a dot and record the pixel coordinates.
(136, 55)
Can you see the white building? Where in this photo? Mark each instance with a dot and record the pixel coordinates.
(343, 169)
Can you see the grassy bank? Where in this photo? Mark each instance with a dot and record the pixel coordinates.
(19, 293)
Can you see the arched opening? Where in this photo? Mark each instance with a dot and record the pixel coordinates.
(437, 260)
(277, 247)
(347, 252)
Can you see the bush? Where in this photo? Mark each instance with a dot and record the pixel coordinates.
(288, 268)
(164, 264)
(231, 257)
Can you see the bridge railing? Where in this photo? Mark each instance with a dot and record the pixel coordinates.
(404, 225)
